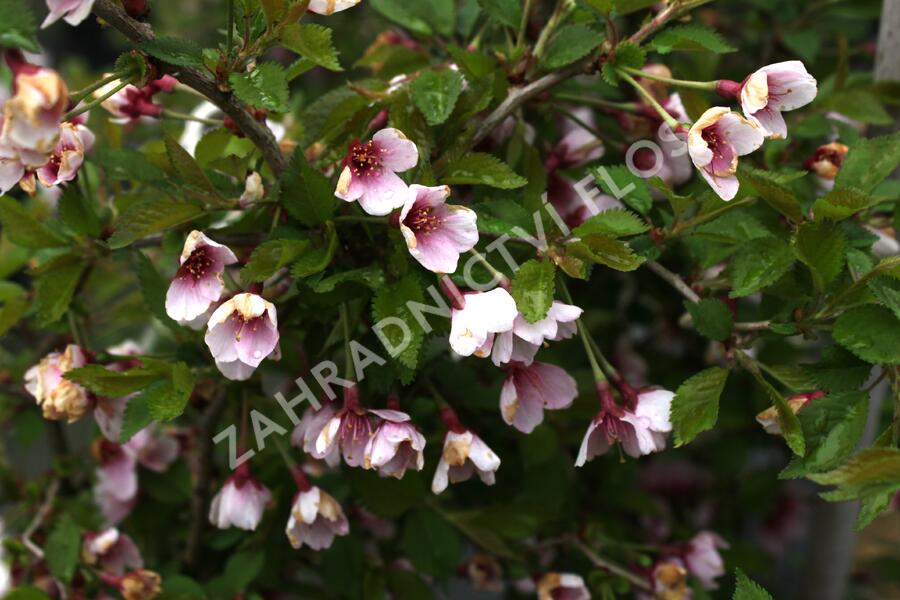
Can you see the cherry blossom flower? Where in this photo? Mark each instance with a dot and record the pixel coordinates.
(825, 164)
(715, 141)
(769, 417)
(464, 453)
(436, 233)
(242, 332)
(522, 342)
(370, 172)
(703, 559)
(395, 446)
(316, 518)
(639, 429)
(131, 103)
(68, 156)
(241, 501)
(773, 89)
(579, 145)
(308, 430)
(562, 586)
(198, 282)
(350, 429)
(481, 314)
(72, 12)
(116, 484)
(31, 117)
(329, 7)
(529, 389)
(669, 581)
(112, 551)
(484, 573)
(58, 397)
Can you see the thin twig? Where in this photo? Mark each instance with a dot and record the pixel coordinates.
(674, 280)
(602, 563)
(38, 520)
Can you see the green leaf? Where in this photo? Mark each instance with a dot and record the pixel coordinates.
(758, 264)
(23, 229)
(440, 14)
(533, 288)
(12, 310)
(822, 247)
(435, 94)
(502, 216)
(871, 471)
(619, 182)
(18, 28)
(773, 191)
(887, 291)
(746, 589)
(123, 163)
(570, 43)
(371, 277)
(842, 202)
(77, 212)
(265, 86)
(695, 407)
(319, 256)
(313, 42)
(392, 302)
(175, 51)
(616, 222)
(712, 318)
(153, 288)
(167, 400)
(187, 167)
(627, 54)
(690, 37)
(270, 256)
(26, 592)
(505, 12)
(63, 547)
(831, 427)
(869, 162)
(150, 216)
(431, 543)
(400, 13)
(871, 333)
(105, 382)
(137, 416)
(306, 193)
(480, 168)
(605, 250)
(54, 286)
(838, 371)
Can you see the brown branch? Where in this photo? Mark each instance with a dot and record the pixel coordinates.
(674, 280)
(257, 132)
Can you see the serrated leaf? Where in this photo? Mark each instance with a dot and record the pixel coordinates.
(270, 256)
(690, 37)
(838, 371)
(400, 13)
(371, 277)
(18, 28)
(617, 222)
(105, 382)
(319, 255)
(24, 230)
(822, 247)
(533, 288)
(758, 264)
(391, 302)
(167, 399)
(153, 288)
(773, 192)
(505, 12)
(182, 52)
(502, 216)
(711, 318)
(313, 42)
(485, 169)
(620, 183)
(435, 94)
(871, 333)
(571, 43)
(123, 163)
(605, 250)
(265, 87)
(626, 54)
(869, 162)
(871, 471)
(695, 407)
(306, 193)
(187, 167)
(887, 291)
(431, 543)
(54, 286)
(842, 202)
(148, 217)
(137, 416)
(77, 213)
(746, 589)
(63, 548)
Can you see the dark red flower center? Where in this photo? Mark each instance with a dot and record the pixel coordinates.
(197, 264)
(365, 159)
(422, 220)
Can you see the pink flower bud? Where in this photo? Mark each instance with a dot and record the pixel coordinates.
(316, 518)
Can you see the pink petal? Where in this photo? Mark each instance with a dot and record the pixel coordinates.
(400, 153)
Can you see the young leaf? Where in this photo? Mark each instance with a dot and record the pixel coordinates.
(23, 229)
(887, 290)
(843, 202)
(486, 169)
(148, 217)
(318, 257)
(181, 52)
(264, 87)
(570, 43)
(105, 382)
(306, 194)
(270, 256)
(187, 167)
(63, 548)
(771, 189)
(758, 264)
(435, 94)
(711, 318)
(605, 250)
(873, 470)
(137, 416)
(313, 42)
(167, 399)
(400, 13)
(77, 213)
(690, 37)
(869, 162)
(54, 286)
(617, 222)
(746, 589)
(822, 247)
(695, 407)
(620, 183)
(871, 333)
(505, 12)
(533, 289)
(627, 54)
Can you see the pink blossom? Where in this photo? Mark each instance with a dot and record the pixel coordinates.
(464, 453)
(242, 333)
(370, 172)
(715, 141)
(153, 449)
(198, 282)
(58, 397)
(703, 559)
(773, 89)
(529, 389)
(573, 207)
(308, 430)
(350, 429)
(640, 428)
(522, 342)
(112, 551)
(31, 117)
(396, 445)
(316, 518)
(562, 586)
(68, 156)
(72, 12)
(579, 144)
(132, 103)
(328, 7)
(481, 314)
(241, 501)
(436, 233)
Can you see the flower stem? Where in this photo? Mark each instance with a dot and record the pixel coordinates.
(74, 113)
(76, 97)
(649, 99)
(361, 219)
(178, 116)
(563, 7)
(229, 33)
(498, 276)
(685, 83)
(599, 102)
(585, 338)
